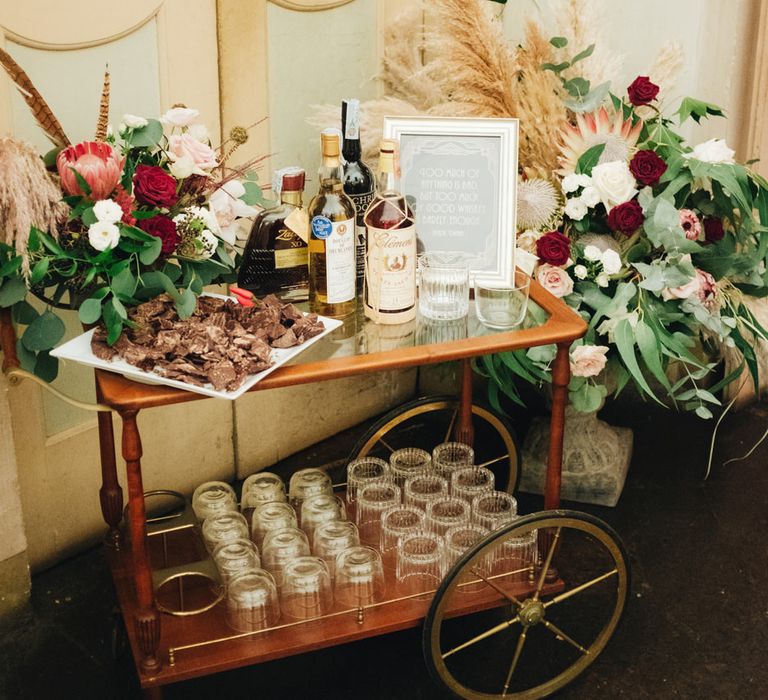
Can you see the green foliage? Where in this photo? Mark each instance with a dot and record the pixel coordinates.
(589, 159)
(697, 109)
(147, 136)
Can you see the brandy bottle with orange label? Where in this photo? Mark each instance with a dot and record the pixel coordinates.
(390, 271)
(276, 255)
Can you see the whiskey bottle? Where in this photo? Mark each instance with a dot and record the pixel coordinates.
(332, 267)
(390, 282)
(359, 182)
(276, 258)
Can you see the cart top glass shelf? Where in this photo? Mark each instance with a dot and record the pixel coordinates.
(360, 346)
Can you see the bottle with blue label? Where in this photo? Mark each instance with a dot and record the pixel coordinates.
(332, 258)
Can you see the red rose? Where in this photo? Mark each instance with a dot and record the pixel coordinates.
(626, 217)
(647, 167)
(553, 248)
(163, 228)
(642, 91)
(713, 229)
(153, 186)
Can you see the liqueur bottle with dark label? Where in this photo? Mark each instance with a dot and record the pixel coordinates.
(390, 282)
(276, 256)
(332, 238)
(359, 182)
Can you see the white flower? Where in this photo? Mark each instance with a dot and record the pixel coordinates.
(572, 182)
(227, 205)
(614, 183)
(103, 235)
(602, 280)
(179, 116)
(209, 243)
(611, 261)
(713, 151)
(593, 253)
(134, 122)
(525, 260)
(182, 167)
(201, 213)
(108, 211)
(590, 196)
(199, 132)
(576, 209)
(121, 128)
(527, 240)
(580, 272)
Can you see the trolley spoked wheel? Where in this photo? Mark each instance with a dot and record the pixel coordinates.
(427, 421)
(528, 608)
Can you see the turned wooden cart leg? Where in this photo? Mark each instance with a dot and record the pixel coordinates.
(561, 376)
(153, 693)
(147, 620)
(110, 493)
(465, 431)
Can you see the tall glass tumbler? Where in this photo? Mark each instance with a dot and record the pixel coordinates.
(282, 547)
(396, 522)
(224, 527)
(372, 501)
(306, 591)
(320, 509)
(421, 490)
(408, 462)
(235, 557)
(449, 457)
(443, 285)
(420, 562)
(366, 470)
(331, 539)
(271, 516)
(446, 513)
(213, 497)
(459, 540)
(471, 481)
(494, 509)
(359, 577)
(252, 601)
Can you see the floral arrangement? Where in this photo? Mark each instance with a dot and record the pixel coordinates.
(659, 246)
(150, 210)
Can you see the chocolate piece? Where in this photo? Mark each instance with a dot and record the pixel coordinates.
(220, 344)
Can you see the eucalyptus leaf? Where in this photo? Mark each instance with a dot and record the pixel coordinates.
(124, 283)
(10, 267)
(625, 343)
(151, 252)
(46, 366)
(185, 304)
(146, 136)
(89, 311)
(24, 313)
(12, 290)
(649, 350)
(43, 333)
(559, 42)
(88, 216)
(27, 358)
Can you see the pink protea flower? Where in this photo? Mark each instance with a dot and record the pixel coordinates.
(97, 162)
(690, 224)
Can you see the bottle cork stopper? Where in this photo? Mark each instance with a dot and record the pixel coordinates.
(330, 144)
(387, 146)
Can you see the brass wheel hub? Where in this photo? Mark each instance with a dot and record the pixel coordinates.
(531, 612)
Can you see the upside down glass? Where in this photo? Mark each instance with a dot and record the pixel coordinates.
(264, 487)
(235, 557)
(213, 497)
(443, 285)
(224, 527)
(331, 539)
(306, 483)
(282, 547)
(306, 590)
(320, 509)
(252, 602)
(271, 516)
(359, 577)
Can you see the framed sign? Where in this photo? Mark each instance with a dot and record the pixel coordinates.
(460, 176)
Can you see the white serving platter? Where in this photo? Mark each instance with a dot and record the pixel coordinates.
(79, 350)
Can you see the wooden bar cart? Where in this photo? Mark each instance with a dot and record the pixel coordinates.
(476, 624)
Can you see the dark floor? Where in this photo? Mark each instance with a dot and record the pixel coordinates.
(696, 626)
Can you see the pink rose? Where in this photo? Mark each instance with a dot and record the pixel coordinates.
(707, 290)
(690, 224)
(588, 360)
(555, 280)
(184, 147)
(683, 291)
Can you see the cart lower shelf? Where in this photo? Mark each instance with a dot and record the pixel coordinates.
(202, 644)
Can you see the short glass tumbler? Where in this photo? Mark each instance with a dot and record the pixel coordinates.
(320, 509)
(306, 590)
(372, 501)
(443, 285)
(305, 483)
(494, 509)
(502, 306)
(359, 577)
(421, 490)
(252, 602)
(271, 516)
(420, 562)
(235, 557)
(366, 470)
(213, 497)
(471, 481)
(224, 527)
(448, 457)
(264, 487)
(447, 513)
(408, 462)
(332, 538)
(282, 547)
(396, 522)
